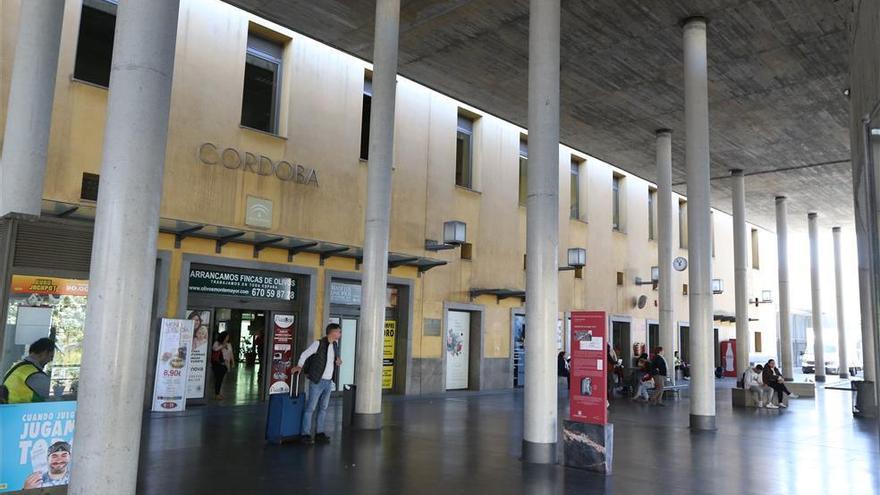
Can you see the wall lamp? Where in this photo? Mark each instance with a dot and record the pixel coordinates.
(454, 235)
(766, 298)
(577, 260)
(717, 286)
(655, 278)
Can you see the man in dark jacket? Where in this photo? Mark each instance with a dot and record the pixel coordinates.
(658, 371)
(320, 363)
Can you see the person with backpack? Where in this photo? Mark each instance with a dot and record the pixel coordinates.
(221, 361)
(320, 362)
(26, 381)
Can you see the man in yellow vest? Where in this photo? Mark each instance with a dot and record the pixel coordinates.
(26, 381)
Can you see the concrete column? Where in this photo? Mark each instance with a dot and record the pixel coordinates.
(740, 270)
(121, 279)
(818, 340)
(542, 233)
(29, 113)
(699, 224)
(787, 363)
(664, 244)
(843, 370)
(368, 366)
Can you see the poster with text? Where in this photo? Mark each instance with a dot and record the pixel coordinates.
(458, 336)
(175, 342)
(35, 445)
(588, 392)
(198, 355)
(388, 354)
(282, 354)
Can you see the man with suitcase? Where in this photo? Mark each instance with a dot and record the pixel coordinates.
(320, 362)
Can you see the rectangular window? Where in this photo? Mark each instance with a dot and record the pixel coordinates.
(464, 154)
(89, 187)
(365, 117)
(682, 224)
(652, 202)
(94, 50)
(616, 185)
(523, 170)
(712, 231)
(756, 261)
(575, 189)
(757, 341)
(262, 84)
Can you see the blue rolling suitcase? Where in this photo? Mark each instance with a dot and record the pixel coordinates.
(284, 422)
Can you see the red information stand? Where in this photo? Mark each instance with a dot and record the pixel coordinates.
(589, 361)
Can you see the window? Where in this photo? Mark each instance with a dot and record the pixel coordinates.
(712, 231)
(756, 262)
(757, 341)
(89, 187)
(682, 224)
(652, 202)
(523, 170)
(94, 50)
(365, 117)
(262, 83)
(616, 185)
(575, 189)
(464, 154)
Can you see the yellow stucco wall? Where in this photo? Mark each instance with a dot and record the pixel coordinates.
(320, 112)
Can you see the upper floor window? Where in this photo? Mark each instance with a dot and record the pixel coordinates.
(756, 261)
(523, 170)
(94, 51)
(464, 154)
(616, 211)
(365, 116)
(575, 189)
(652, 214)
(682, 224)
(262, 84)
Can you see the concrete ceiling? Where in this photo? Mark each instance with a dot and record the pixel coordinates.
(777, 71)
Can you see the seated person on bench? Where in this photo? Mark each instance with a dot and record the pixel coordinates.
(753, 382)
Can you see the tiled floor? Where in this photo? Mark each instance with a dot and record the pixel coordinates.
(469, 443)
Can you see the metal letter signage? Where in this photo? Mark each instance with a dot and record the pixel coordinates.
(231, 158)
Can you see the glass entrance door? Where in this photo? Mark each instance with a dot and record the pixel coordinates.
(347, 346)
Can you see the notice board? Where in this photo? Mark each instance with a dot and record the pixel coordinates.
(588, 393)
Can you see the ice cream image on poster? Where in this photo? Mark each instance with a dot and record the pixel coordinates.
(728, 357)
(586, 386)
(39, 462)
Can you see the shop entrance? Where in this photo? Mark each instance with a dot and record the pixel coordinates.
(259, 315)
(345, 310)
(620, 337)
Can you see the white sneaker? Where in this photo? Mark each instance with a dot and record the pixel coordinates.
(782, 404)
(772, 406)
(793, 396)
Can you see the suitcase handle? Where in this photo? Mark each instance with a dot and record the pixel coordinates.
(296, 385)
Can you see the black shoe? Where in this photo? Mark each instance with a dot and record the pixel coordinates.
(306, 440)
(322, 438)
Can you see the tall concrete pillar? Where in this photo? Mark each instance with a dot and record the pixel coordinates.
(740, 271)
(121, 279)
(368, 365)
(542, 233)
(696, 99)
(843, 369)
(818, 340)
(664, 243)
(29, 113)
(787, 363)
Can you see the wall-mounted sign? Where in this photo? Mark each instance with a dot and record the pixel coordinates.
(388, 352)
(233, 159)
(258, 213)
(350, 294)
(26, 284)
(233, 283)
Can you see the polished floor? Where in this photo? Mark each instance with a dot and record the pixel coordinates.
(469, 443)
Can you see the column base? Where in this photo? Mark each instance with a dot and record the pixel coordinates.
(864, 403)
(588, 446)
(538, 453)
(820, 378)
(702, 423)
(366, 421)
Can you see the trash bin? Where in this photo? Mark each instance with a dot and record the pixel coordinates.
(348, 398)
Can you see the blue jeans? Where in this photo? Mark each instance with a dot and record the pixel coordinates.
(317, 392)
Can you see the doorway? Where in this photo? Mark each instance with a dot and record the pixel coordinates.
(654, 337)
(621, 338)
(717, 347)
(684, 344)
(518, 332)
(245, 382)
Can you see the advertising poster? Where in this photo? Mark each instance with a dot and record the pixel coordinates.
(588, 374)
(728, 358)
(198, 354)
(233, 283)
(458, 336)
(35, 445)
(175, 342)
(388, 354)
(282, 354)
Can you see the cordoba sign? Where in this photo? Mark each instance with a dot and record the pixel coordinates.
(233, 159)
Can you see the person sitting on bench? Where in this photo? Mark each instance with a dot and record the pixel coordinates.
(773, 379)
(753, 382)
